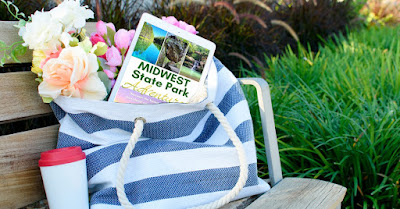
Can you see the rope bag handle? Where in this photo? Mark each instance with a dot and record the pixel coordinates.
(137, 132)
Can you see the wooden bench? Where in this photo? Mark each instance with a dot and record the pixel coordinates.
(20, 180)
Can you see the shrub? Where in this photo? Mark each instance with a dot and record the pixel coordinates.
(235, 28)
(337, 115)
(316, 20)
(123, 13)
(27, 7)
(250, 29)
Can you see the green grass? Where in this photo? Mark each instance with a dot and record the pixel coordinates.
(337, 115)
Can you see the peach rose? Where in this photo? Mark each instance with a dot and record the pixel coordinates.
(73, 73)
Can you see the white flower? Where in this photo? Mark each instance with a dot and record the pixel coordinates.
(71, 14)
(42, 33)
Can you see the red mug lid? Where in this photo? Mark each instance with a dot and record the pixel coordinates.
(61, 156)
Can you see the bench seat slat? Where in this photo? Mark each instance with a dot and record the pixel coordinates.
(20, 180)
(294, 193)
(19, 96)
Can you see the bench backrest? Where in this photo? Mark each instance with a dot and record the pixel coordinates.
(20, 180)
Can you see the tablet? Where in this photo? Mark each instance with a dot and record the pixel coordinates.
(164, 64)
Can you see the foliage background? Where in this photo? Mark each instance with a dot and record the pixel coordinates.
(337, 115)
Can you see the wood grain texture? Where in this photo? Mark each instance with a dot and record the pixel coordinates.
(20, 180)
(20, 189)
(19, 97)
(300, 193)
(239, 204)
(9, 34)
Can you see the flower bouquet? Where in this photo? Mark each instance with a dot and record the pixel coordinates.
(66, 60)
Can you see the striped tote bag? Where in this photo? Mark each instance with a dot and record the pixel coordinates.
(166, 155)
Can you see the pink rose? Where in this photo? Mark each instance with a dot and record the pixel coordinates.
(101, 27)
(73, 73)
(113, 57)
(187, 27)
(122, 39)
(95, 38)
(171, 20)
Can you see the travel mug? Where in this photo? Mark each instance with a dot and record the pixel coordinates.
(65, 178)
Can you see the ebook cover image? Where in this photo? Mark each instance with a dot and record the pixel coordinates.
(163, 68)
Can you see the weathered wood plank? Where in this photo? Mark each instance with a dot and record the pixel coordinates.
(9, 34)
(20, 189)
(297, 193)
(21, 151)
(20, 180)
(239, 204)
(19, 97)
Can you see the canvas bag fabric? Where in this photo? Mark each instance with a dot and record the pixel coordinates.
(184, 157)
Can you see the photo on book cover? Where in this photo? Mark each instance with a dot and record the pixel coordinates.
(164, 67)
(171, 52)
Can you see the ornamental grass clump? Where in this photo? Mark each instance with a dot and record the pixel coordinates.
(245, 31)
(337, 115)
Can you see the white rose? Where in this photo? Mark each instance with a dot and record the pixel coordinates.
(71, 14)
(42, 33)
(73, 73)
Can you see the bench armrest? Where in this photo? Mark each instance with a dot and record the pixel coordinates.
(268, 125)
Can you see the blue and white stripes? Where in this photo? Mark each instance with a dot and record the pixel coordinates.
(184, 157)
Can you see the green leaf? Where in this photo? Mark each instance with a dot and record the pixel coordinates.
(14, 57)
(102, 63)
(106, 81)
(21, 23)
(110, 34)
(100, 49)
(74, 41)
(20, 50)
(47, 99)
(2, 44)
(86, 45)
(40, 80)
(2, 61)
